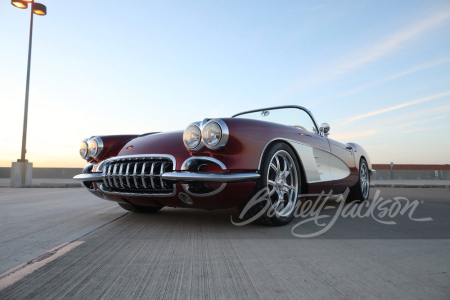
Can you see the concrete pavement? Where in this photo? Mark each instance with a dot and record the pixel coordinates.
(45, 183)
(198, 254)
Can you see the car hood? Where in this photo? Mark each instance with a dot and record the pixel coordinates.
(170, 143)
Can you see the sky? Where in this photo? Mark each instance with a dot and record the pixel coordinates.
(377, 71)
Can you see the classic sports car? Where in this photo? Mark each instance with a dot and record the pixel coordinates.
(222, 163)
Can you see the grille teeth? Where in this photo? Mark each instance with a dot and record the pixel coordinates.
(137, 175)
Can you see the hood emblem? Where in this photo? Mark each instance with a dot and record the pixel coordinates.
(129, 147)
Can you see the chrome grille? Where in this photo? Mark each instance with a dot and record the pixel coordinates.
(137, 175)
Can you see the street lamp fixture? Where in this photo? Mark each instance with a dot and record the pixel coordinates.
(21, 172)
(39, 9)
(20, 4)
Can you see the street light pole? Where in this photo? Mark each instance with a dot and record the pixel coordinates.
(21, 171)
(25, 116)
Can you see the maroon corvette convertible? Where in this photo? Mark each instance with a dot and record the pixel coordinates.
(222, 163)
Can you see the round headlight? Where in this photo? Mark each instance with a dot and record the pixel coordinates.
(192, 136)
(95, 147)
(83, 149)
(212, 134)
(92, 147)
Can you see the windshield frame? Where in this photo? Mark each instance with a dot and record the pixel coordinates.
(280, 107)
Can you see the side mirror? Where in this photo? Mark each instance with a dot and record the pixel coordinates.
(324, 129)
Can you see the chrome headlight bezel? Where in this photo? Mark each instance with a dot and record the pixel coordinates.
(201, 127)
(224, 134)
(97, 141)
(199, 144)
(84, 145)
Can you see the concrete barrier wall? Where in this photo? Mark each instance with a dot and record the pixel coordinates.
(412, 175)
(62, 173)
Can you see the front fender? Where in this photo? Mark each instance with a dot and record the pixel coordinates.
(360, 153)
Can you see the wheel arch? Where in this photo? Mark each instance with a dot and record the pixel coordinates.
(269, 145)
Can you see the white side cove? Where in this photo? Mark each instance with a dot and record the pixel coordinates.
(320, 165)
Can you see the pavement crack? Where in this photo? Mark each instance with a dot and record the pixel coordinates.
(98, 228)
(40, 258)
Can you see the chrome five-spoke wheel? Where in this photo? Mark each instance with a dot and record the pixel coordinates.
(360, 191)
(364, 180)
(282, 181)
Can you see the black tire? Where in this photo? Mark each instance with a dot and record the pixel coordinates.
(140, 209)
(361, 190)
(284, 188)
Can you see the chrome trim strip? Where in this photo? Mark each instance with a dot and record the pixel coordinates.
(280, 107)
(372, 171)
(110, 175)
(114, 175)
(289, 141)
(151, 176)
(89, 177)
(134, 175)
(185, 165)
(210, 177)
(161, 172)
(138, 194)
(127, 174)
(143, 175)
(99, 167)
(104, 177)
(120, 175)
(141, 157)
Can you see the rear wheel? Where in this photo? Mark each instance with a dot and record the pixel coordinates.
(280, 176)
(360, 191)
(140, 209)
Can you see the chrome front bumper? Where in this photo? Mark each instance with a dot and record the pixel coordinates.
(210, 177)
(186, 176)
(89, 177)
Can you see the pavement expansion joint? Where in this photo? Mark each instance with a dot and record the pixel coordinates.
(17, 273)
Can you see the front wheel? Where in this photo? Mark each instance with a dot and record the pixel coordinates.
(140, 209)
(280, 177)
(360, 191)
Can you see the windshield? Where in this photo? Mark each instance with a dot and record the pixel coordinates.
(291, 116)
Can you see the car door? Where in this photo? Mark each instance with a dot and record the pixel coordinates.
(342, 161)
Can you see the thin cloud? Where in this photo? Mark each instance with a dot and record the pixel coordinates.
(357, 135)
(435, 112)
(366, 55)
(398, 75)
(418, 68)
(412, 130)
(394, 42)
(423, 113)
(396, 107)
(422, 121)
